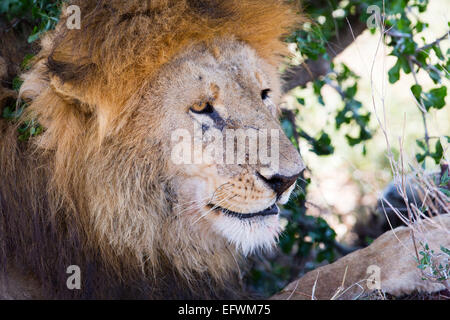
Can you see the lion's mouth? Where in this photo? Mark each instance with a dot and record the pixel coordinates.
(269, 211)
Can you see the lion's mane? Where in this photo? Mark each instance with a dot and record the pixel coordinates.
(74, 195)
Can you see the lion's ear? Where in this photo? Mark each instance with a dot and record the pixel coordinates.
(68, 93)
(78, 85)
(70, 82)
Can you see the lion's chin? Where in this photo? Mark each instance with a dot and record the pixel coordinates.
(250, 232)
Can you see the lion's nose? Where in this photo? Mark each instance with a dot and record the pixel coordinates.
(279, 183)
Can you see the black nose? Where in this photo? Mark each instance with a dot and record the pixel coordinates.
(279, 183)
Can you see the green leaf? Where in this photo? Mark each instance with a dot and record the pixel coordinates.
(417, 91)
(16, 83)
(394, 72)
(25, 65)
(445, 191)
(12, 113)
(438, 52)
(420, 26)
(420, 157)
(437, 155)
(287, 127)
(351, 91)
(301, 101)
(435, 76)
(421, 144)
(317, 86)
(34, 35)
(445, 179)
(322, 146)
(404, 62)
(435, 98)
(445, 250)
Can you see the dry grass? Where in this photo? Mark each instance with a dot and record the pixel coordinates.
(423, 194)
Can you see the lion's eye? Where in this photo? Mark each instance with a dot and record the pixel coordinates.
(202, 107)
(265, 94)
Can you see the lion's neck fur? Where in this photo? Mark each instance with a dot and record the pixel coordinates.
(46, 227)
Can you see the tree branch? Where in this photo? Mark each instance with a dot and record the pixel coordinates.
(435, 42)
(312, 69)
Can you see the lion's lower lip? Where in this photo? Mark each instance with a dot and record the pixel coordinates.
(272, 210)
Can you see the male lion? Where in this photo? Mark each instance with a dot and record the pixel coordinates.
(99, 188)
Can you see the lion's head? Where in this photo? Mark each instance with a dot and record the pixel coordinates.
(130, 100)
(230, 160)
